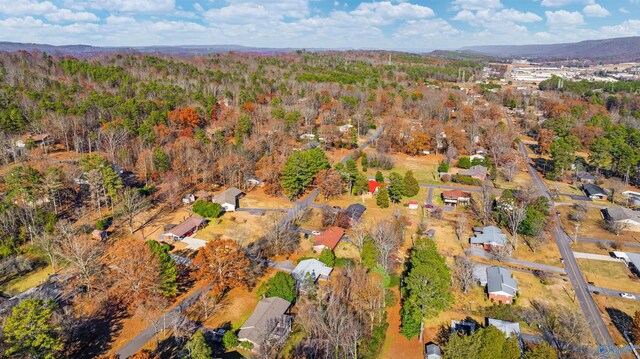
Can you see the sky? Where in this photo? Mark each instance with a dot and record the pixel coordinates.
(359, 24)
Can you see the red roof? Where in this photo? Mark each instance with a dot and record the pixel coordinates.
(373, 185)
(455, 193)
(330, 237)
(413, 202)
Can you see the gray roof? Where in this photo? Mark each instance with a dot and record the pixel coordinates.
(187, 226)
(583, 175)
(621, 214)
(263, 320)
(355, 211)
(474, 171)
(634, 258)
(593, 190)
(313, 267)
(499, 280)
(508, 328)
(230, 195)
(489, 235)
(432, 349)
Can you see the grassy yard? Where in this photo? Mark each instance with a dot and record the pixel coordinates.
(618, 311)
(611, 275)
(425, 168)
(556, 291)
(546, 253)
(27, 281)
(593, 226)
(258, 199)
(240, 226)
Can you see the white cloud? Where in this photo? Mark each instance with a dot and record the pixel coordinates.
(595, 10)
(64, 15)
(130, 6)
(482, 17)
(387, 11)
(476, 4)
(26, 7)
(563, 19)
(560, 3)
(623, 10)
(626, 28)
(426, 29)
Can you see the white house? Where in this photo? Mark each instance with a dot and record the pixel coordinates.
(228, 199)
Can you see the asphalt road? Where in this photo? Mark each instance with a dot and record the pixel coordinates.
(611, 292)
(174, 315)
(588, 306)
(607, 241)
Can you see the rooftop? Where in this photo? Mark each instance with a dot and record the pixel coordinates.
(455, 193)
(508, 328)
(621, 214)
(263, 319)
(593, 190)
(187, 226)
(355, 211)
(313, 267)
(330, 237)
(230, 195)
(499, 280)
(489, 235)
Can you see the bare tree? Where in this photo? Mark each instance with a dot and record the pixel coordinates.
(484, 206)
(359, 236)
(132, 203)
(386, 239)
(48, 243)
(82, 253)
(534, 242)
(209, 302)
(461, 225)
(510, 167)
(615, 227)
(500, 253)
(515, 214)
(462, 273)
(280, 239)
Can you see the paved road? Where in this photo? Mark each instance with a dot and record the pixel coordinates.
(607, 241)
(173, 316)
(597, 257)
(430, 196)
(479, 252)
(588, 306)
(611, 292)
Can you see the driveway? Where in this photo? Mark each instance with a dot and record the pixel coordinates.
(611, 292)
(479, 252)
(597, 257)
(608, 241)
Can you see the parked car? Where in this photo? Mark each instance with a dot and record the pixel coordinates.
(316, 233)
(627, 295)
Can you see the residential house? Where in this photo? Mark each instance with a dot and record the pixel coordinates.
(413, 205)
(455, 197)
(40, 140)
(345, 128)
(586, 177)
(501, 287)
(374, 187)
(328, 239)
(478, 154)
(269, 322)
(594, 191)
(477, 172)
(432, 351)
(631, 259)
(185, 229)
(508, 328)
(313, 268)
(488, 237)
(355, 212)
(228, 199)
(630, 219)
(188, 198)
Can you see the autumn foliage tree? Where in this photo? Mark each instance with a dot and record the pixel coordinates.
(223, 263)
(184, 118)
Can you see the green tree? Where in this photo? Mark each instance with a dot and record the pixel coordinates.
(411, 186)
(443, 167)
(197, 347)
(464, 162)
(541, 351)
(379, 177)
(600, 153)
(282, 285)
(161, 160)
(485, 343)
(369, 255)
(23, 183)
(426, 287)
(396, 187)
(562, 154)
(327, 257)
(29, 330)
(382, 198)
(207, 209)
(243, 127)
(168, 270)
(360, 185)
(300, 170)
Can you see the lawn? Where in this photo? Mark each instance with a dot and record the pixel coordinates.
(240, 226)
(616, 310)
(546, 253)
(258, 199)
(424, 167)
(557, 291)
(27, 281)
(593, 226)
(611, 275)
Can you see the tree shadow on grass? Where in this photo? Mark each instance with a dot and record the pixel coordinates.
(621, 320)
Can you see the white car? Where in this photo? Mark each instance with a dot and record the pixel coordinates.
(316, 233)
(627, 295)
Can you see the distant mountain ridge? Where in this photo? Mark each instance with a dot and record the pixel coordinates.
(79, 50)
(615, 50)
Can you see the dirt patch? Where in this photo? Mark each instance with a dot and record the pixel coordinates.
(395, 344)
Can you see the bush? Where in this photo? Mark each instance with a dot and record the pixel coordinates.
(380, 161)
(344, 262)
(230, 340)
(207, 209)
(443, 167)
(282, 285)
(328, 257)
(464, 162)
(103, 224)
(390, 298)
(466, 180)
(446, 178)
(246, 345)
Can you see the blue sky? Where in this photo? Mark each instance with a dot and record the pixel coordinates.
(393, 24)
